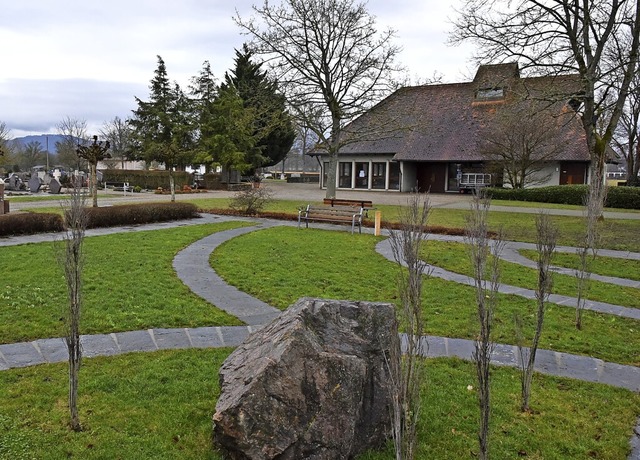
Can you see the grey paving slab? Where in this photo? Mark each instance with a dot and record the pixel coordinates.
(436, 347)
(206, 337)
(53, 350)
(166, 339)
(234, 336)
(620, 376)
(135, 341)
(3, 363)
(21, 354)
(459, 348)
(99, 345)
(505, 355)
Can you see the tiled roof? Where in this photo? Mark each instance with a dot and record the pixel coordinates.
(447, 122)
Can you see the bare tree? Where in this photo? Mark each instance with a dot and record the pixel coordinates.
(30, 155)
(74, 133)
(92, 154)
(4, 137)
(553, 37)
(330, 59)
(546, 237)
(407, 373)
(8, 150)
(524, 138)
(626, 141)
(118, 133)
(75, 220)
(484, 256)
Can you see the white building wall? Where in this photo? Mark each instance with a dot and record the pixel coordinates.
(552, 170)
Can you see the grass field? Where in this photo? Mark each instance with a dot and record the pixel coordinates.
(159, 405)
(129, 285)
(454, 257)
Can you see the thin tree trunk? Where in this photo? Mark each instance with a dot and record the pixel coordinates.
(172, 185)
(75, 218)
(94, 185)
(547, 235)
(480, 250)
(408, 372)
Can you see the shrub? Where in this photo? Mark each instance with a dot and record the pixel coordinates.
(251, 200)
(130, 214)
(617, 197)
(623, 197)
(150, 180)
(29, 223)
(140, 214)
(563, 194)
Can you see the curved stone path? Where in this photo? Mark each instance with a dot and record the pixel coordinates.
(193, 268)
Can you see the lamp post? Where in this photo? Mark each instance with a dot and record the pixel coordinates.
(94, 153)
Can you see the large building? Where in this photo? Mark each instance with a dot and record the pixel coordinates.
(430, 137)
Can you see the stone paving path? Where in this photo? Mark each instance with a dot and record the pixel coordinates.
(192, 266)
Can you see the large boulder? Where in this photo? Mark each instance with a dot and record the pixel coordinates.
(313, 384)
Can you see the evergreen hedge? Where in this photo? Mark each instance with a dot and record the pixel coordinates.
(617, 197)
(145, 179)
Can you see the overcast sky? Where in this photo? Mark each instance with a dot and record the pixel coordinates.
(88, 59)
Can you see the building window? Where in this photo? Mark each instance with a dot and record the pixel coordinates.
(344, 174)
(490, 93)
(362, 175)
(394, 175)
(378, 175)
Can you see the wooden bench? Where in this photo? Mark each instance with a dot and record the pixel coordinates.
(338, 214)
(343, 202)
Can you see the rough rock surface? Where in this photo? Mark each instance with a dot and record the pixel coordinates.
(313, 384)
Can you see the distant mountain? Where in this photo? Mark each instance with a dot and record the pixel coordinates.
(43, 139)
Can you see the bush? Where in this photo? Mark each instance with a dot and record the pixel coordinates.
(30, 223)
(132, 214)
(563, 194)
(617, 197)
(144, 179)
(252, 200)
(623, 197)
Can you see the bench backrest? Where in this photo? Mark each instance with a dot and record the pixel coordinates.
(344, 202)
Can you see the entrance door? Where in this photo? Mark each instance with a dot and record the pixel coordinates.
(431, 177)
(573, 173)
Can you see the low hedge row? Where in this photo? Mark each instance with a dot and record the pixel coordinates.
(27, 224)
(617, 197)
(145, 179)
(130, 214)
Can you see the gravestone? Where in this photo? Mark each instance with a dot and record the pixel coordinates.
(313, 384)
(34, 184)
(54, 187)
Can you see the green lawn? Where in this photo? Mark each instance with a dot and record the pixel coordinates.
(129, 284)
(607, 266)
(454, 257)
(159, 406)
(287, 263)
(621, 234)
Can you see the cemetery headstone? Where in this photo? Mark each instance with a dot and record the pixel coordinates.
(54, 187)
(34, 184)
